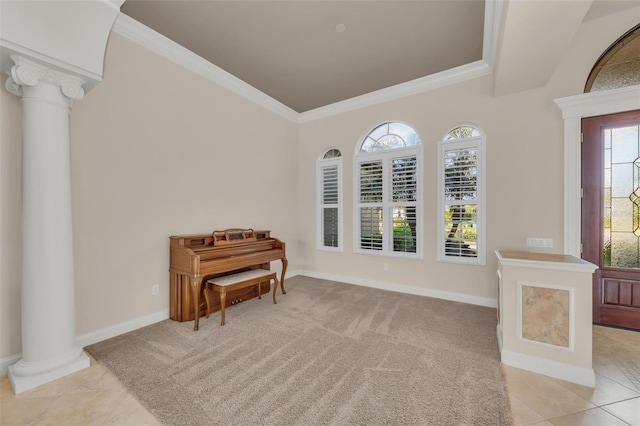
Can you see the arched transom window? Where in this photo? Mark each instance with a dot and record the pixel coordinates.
(619, 66)
(390, 135)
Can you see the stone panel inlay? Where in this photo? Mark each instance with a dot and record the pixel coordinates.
(545, 315)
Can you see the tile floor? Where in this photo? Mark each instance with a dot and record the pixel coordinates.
(542, 401)
(94, 397)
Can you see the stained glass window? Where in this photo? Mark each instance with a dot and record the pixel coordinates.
(622, 197)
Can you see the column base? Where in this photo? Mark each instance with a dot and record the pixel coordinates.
(21, 383)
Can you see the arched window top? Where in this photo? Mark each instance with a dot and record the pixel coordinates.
(331, 153)
(464, 131)
(390, 135)
(619, 66)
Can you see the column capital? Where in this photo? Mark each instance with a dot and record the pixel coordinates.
(29, 73)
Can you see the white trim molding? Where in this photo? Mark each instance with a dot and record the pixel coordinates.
(559, 370)
(6, 362)
(574, 109)
(167, 48)
(403, 288)
(419, 85)
(87, 339)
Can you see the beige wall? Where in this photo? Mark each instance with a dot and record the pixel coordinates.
(524, 180)
(157, 150)
(525, 143)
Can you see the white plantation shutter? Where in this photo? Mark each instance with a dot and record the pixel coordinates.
(460, 174)
(461, 200)
(329, 203)
(370, 194)
(387, 194)
(404, 195)
(371, 182)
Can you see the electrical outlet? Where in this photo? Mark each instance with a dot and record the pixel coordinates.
(155, 289)
(385, 266)
(540, 242)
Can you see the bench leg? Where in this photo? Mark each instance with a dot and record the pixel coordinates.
(206, 299)
(223, 300)
(259, 290)
(275, 287)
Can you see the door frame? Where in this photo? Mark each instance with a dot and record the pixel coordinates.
(593, 157)
(574, 109)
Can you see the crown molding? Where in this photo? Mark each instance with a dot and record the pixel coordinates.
(492, 19)
(423, 84)
(156, 42)
(599, 103)
(491, 37)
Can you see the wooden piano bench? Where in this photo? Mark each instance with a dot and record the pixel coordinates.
(237, 281)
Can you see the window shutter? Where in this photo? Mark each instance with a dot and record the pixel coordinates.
(329, 204)
(330, 185)
(370, 196)
(460, 202)
(371, 182)
(460, 174)
(387, 219)
(403, 180)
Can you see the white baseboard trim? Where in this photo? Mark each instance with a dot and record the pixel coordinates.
(559, 370)
(127, 326)
(403, 288)
(121, 328)
(6, 362)
(99, 335)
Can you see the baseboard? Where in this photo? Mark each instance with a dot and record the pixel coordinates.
(559, 370)
(127, 326)
(403, 288)
(6, 362)
(121, 328)
(99, 335)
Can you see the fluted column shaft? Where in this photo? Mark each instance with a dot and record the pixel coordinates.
(49, 350)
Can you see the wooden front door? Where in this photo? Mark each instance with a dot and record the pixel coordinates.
(611, 215)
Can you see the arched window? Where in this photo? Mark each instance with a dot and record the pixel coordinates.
(388, 192)
(619, 66)
(390, 136)
(461, 223)
(329, 201)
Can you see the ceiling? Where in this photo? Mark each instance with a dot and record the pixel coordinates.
(308, 54)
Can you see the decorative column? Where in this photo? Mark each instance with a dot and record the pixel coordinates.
(49, 349)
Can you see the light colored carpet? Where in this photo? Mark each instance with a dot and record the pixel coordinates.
(328, 353)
